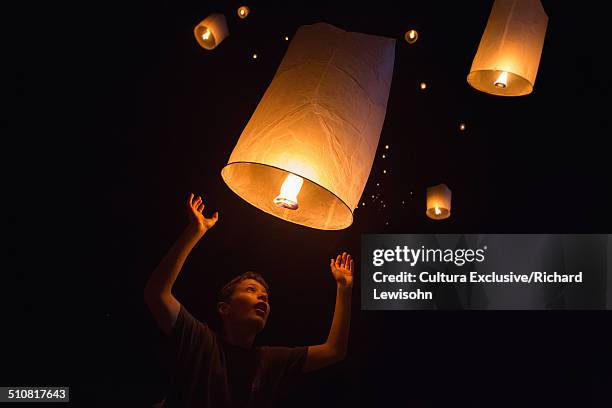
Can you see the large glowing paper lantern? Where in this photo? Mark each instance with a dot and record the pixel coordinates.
(211, 31)
(508, 56)
(307, 151)
(438, 202)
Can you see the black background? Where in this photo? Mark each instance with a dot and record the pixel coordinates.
(115, 114)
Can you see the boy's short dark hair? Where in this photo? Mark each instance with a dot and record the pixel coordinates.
(226, 292)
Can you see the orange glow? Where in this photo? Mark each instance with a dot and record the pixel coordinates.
(243, 11)
(411, 36)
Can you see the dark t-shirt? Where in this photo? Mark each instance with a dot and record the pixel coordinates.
(206, 371)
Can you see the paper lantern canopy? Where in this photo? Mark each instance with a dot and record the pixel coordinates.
(211, 31)
(307, 151)
(438, 202)
(508, 56)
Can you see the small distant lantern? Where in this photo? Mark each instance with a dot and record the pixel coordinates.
(508, 56)
(438, 202)
(243, 11)
(308, 165)
(411, 36)
(462, 126)
(211, 31)
(423, 86)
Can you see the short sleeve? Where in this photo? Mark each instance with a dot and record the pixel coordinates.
(188, 337)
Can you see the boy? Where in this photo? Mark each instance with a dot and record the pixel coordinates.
(224, 369)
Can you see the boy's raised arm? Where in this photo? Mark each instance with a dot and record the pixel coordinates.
(334, 349)
(158, 290)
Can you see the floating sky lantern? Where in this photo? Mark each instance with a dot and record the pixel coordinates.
(411, 36)
(211, 31)
(438, 202)
(306, 153)
(508, 56)
(243, 11)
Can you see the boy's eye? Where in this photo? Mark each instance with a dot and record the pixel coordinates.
(251, 288)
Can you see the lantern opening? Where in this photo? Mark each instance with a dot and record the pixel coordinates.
(438, 212)
(206, 37)
(289, 192)
(257, 184)
(502, 80)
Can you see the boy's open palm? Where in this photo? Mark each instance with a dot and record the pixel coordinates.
(342, 269)
(195, 210)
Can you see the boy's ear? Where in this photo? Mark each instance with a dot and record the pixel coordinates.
(223, 308)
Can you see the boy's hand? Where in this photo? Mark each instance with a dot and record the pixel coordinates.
(342, 269)
(196, 217)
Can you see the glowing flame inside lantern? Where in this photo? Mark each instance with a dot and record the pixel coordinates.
(206, 35)
(289, 192)
(437, 211)
(502, 80)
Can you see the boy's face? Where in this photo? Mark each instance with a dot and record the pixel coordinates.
(249, 305)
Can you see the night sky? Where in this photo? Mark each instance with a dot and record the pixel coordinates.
(135, 115)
